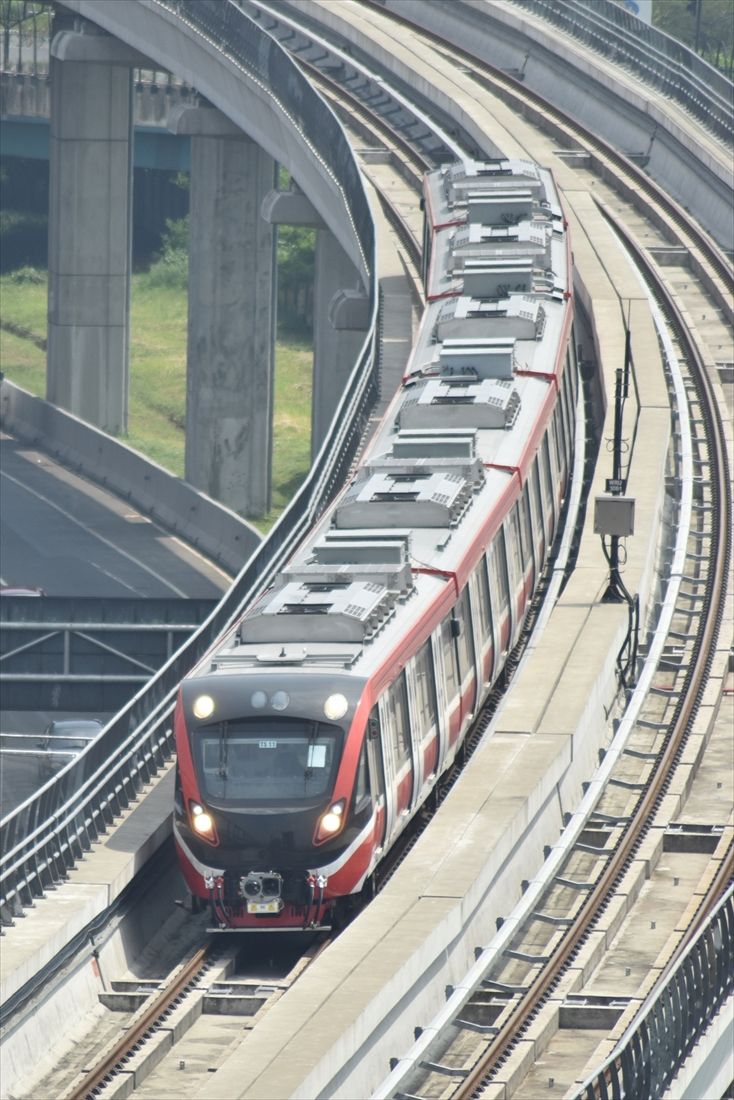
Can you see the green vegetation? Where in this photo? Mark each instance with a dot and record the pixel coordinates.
(171, 266)
(158, 375)
(23, 23)
(707, 26)
(296, 250)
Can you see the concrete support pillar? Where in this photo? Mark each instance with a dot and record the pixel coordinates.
(339, 326)
(340, 309)
(90, 227)
(231, 327)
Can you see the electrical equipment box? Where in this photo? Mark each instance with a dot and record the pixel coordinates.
(614, 516)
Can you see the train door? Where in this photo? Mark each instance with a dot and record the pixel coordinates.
(546, 488)
(515, 572)
(463, 638)
(396, 735)
(560, 454)
(424, 710)
(529, 564)
(451, 682)
(384, 805)
(499, 597)
(536, 514)
(484, 641)
(442, 716)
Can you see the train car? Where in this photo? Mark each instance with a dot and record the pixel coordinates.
(311, 735)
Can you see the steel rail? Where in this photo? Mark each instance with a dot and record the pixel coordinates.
(526, 100)
(408, 152)
(144, 1028)
(691, 692)
(689, 698)
(104, 1069)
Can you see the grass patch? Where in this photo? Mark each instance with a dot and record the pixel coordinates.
(23, 362)
(156, 422)
(291, 423)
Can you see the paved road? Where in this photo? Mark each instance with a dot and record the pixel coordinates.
(65, 534)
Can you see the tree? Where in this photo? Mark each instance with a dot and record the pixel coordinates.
(705, 25)
(17, 16)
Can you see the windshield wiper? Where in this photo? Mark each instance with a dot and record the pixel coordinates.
(223, 749)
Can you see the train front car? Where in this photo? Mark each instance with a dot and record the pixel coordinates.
(270, 815)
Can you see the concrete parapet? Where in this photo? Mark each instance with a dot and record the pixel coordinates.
(335, 348)
(215, 530)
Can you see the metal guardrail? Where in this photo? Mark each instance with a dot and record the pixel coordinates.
(674, 1016)
(44, 836)
(655, 57)
(88, 654)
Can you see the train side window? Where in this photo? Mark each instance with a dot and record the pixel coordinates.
(567, 418)
(425, 690)
(483, 591)
(449, 659)
(498, 579)
(374, 738)
(546, 480)
(525, 522)
(538, 508)
(547, 484)
(513, 547)
(464, 640)
(398, 702)
(566, 391)
(573, 374)
(362, 784)
(558, 437)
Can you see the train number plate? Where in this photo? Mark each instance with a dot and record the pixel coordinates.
(273, 906)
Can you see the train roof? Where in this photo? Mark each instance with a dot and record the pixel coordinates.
(390, 555)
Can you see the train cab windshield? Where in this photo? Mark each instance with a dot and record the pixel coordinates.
(261, 761)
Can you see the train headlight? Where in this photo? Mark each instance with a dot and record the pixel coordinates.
(203, 706)
(202, 822)
(280, 700)
(331, 822)
(258, 699)
(335, 706)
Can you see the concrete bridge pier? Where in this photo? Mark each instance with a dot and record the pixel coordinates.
(341, 318)
(90, 219)
(341, 308)
(231, 327)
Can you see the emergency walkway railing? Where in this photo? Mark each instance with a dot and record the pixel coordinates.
(43, 837)
(674, 1016)
(657, 58)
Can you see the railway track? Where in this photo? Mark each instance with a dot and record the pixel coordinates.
(526, 972)
(635, 793)
(225, 984)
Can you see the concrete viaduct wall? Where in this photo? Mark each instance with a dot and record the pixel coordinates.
(240, 130)
(217, 531)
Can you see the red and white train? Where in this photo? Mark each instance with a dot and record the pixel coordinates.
(310, 736)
